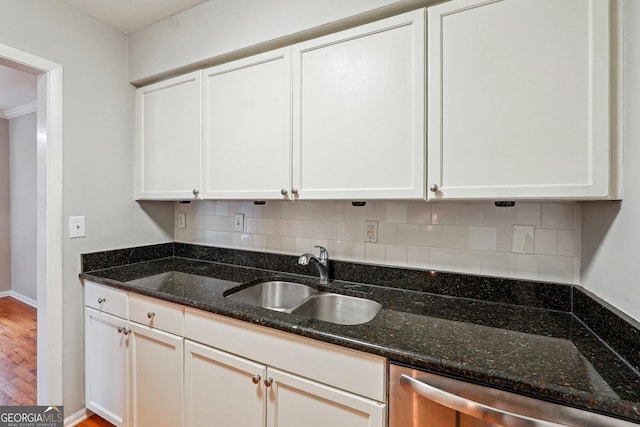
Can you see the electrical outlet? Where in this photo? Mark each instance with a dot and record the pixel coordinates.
(238, 222)
(182, 220)
(371, 231)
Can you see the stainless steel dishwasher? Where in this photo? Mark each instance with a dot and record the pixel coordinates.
(422, 399)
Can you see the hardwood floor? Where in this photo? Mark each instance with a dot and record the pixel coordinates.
(95, 421)
(18, 332)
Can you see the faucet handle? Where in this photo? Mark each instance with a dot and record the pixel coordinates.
(324, 254)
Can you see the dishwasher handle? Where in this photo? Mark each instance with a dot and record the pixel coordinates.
(471, 407)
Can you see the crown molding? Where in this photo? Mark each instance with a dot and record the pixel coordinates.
(3, 115)
(29, 108)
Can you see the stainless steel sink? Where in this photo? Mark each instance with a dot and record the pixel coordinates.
(275, 295)
(336, 308)
(306, 301)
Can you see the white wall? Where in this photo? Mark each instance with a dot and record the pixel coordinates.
(611, 234)
(461, 237)
(22, 135)
(5, 212)
(217, 27)
(98, 151)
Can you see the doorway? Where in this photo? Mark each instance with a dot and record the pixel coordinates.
(48, 217)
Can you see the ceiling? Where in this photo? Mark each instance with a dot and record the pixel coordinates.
(18, 89)
(129, 16)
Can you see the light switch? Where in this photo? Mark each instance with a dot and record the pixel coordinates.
(76, 227)
(238, 222)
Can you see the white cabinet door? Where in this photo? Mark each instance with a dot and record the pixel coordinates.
(169, 138)
(294, 401)
(518, 99)
(222, 389)
(156, 377)
(106, 366)
(358, 102)
(247, 128)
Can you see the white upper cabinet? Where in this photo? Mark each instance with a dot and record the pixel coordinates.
(519, 99)
(358, 103)
(247, 128)
(169, 138)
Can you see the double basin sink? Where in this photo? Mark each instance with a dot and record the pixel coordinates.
(296, 298)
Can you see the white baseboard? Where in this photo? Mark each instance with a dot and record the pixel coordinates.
(22, 298)
(77, 418)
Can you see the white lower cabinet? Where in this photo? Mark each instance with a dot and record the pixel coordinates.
(226, 390)
(222, 389)
(293, 401)
(260, 377)
(210, 370)
(156, 377)
(106, 366)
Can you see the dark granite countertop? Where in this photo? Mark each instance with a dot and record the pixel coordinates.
(540, 352)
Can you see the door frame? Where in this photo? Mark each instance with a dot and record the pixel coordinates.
(49, 218)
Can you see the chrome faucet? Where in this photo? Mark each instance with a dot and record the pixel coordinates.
(322, 263)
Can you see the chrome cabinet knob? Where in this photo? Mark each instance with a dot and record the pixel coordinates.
(284, 192)
(101, 300)
(126, 331)
(434, 188)
(268, 382)
(120, 329)
(294, 191)
(256, 379)
(195, 192)
(150, 314)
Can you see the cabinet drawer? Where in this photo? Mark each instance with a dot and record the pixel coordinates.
(354, 371)
(106, 299)
(156, 314)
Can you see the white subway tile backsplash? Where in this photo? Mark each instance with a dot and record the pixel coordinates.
(221, 207)
(387, 233)
(524, 266)
(432, 235)
(408, 234)
(504, 239)
(456, 237)
(443, 259)
(466, 261)
(538, 241)
(443, 213)
(356, 251)
(526, 214)
(561, 216)
(418, 256)
(545, 241)
(419, 213)
(328, 230)
(495, 217)
(469, 214)
(482, 238)
(556, 269)
(396, 255)
(569, 243)
(397, 213)
(494, 264)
